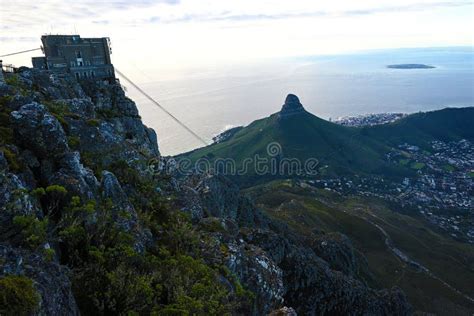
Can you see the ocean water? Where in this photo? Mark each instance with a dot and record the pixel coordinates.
(212, 100)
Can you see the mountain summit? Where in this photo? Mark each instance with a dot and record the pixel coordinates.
(292, 106)
(302, 136)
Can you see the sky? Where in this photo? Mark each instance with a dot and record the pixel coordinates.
(158, 35)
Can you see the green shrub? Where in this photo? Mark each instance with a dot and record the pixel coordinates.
(106, 113)
(74, 142)
(239, 289)
(4, 118)
(17, 296)
(73, 115)
(59, 110)
(92, 161)
(33, 231)
(191, 287)
(38, 192)
(212, 224)
(118, 280)
(73, 235)
(13, 80)
(56, 190)
(49, 254)
(55, 199)
(111, 277)
(93, 122)
(12, 159)
(5, 100)
(6, 135)
(125, 173)
(62, 121)
(57, 107)
(179, 235)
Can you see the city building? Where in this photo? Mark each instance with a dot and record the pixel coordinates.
(82, 57)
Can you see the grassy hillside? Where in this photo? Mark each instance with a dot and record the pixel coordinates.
(339, 150)
(308, 210)
(421, 128)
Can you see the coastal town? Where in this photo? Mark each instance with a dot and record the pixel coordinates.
(369, 119)
(441, 190)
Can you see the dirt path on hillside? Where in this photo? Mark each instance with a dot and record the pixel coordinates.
(406, 259)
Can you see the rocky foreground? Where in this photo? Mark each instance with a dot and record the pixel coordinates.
(87, 227)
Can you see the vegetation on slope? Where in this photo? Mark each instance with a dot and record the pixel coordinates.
(311, 212)
(421, 128)
(17, 295)
(339, 150)
(342, 151)
(155, 267)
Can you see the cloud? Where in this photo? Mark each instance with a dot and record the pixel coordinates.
(230, 16)
(123, 4)
(25, 14)
(410, 7)
(28, 13)
(17, 39)
(101, 22)
(187, 30)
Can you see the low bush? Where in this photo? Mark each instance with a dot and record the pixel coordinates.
(74, 142)
(93, 122)
(17, 296)
(12, 159)
(32, 230)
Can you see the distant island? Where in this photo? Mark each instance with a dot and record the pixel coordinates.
(410, 66)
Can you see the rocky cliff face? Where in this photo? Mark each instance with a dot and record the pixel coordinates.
(316, 276)
(80, 209)
(292, 106)
(58, 131)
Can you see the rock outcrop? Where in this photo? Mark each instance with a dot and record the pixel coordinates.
(50, 279)
(291, 107)
(216, 196)
(64, 134)
(284, 311)
(39, 131)
(14, 200)
(316, 276)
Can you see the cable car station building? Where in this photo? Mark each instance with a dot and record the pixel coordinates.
(81, 57)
